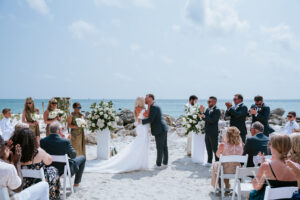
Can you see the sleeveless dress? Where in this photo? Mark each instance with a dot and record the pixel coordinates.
(35, 129)
(77, 136)
(133, 158)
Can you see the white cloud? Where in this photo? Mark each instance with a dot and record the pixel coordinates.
(214, 15)
(281, 34)
(81, 29)
(40, 6)
(134, 47)
(167, 60)
(121, 3)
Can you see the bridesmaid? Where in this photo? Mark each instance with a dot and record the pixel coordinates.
(52, 105)
(29, 110)
(77, 134)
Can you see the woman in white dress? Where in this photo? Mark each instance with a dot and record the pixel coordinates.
(135, 156)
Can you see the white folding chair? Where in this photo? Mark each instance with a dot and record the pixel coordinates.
(67, 172)
(279, 193)
(243, 188)
(220, 171)
(33, 173)
(38, 191)
(4, 193)
(258, 159)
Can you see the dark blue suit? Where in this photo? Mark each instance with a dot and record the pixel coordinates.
(238, 119)
(54, 144)
(263, 116)
(212, 132)
(254, 145)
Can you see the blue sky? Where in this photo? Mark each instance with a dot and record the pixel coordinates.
(172, 48)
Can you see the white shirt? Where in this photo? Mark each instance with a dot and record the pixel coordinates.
(290, 126)
(7, 128)
(9, 176)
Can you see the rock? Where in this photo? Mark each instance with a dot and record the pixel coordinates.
(120, 122)
(277, 111)
(171, 121)
(181, 131)
(277, 120)
(91, 138)
(178, 122)
(127, 116)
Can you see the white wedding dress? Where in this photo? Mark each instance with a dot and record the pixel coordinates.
(134, 157)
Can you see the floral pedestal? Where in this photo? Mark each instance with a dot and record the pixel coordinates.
(198, 148)
(103, 144)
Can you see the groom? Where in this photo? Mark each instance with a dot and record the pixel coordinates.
(159, 129)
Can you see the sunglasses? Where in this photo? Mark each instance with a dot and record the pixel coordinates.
(28, 103)
(78, 108)
(289, 116)
(54, 103)
(235, 99)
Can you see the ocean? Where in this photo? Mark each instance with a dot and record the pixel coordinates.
(173, 107)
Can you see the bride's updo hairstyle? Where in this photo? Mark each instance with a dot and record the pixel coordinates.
(233, 136)
(294, 153)
(282, 144)
(139, 105)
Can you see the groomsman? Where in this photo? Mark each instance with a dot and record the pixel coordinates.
(238, 114)
(260, 112)
(188, 109)
(211, 117)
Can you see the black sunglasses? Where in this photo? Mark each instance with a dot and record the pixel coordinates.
(54, 103)
(28, 103)
(289, 116)
(78, 108)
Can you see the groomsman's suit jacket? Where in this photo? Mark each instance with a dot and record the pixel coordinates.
(211, 121)
(158, 124)
(238, 118)
(263, 116)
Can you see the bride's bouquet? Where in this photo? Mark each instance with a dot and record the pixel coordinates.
(192, 122)
(81, 123)
(102, 116)
(56, 113)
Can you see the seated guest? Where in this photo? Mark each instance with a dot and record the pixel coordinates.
(36, 158)
(54, 144)
(295, 168)
(10, 174)
(6, 125)
(291, 124)
(233, 145)
(275, 173)
(294, 153)
(257, 143)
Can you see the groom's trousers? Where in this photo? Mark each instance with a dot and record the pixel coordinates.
(211, 142)
(162, 149)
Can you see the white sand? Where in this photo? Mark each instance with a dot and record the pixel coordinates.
(181, 180)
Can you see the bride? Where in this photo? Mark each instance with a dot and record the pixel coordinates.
(135, 156)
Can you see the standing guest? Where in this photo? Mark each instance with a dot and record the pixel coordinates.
(295, 168)
(56, 145)
(233, 145)
(294, 153)
(11, 176)
(260, 112)
(189, 108)
(256, 144)
(6, 124)
(77, 133)
(211, 117)
(238, 114)
(291, 125)
(275, 172)
(28, 117)
(52, 105)
(34, 157)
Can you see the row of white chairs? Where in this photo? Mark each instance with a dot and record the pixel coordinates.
(243, 188)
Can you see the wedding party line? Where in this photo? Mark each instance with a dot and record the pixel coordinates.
(247, 141)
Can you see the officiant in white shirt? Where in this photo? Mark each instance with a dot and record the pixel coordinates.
(7, 127)
(291, 124)
(188, 109)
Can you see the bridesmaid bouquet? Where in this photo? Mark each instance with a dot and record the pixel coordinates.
(35, 117)
(56, 113)
(81, 123)
(102, 116)
(193, 123)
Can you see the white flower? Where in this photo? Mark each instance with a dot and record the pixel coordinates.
(191, 121)
(194, 121)
(101, 113)
(184, 119)
(188, 126)
(105, 116)
(93, 125)
(109, 123)
(100, 123)
(195, 116)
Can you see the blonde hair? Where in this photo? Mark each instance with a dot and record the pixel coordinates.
(282, 144)
(26, 107)
(139, 103)
(49, 104)
(294, 153)
(233, 136)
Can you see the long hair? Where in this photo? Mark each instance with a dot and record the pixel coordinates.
(139, 103)
(26, 107)
(294, 153)
(282, 144)
(233, 136)
(49, 104)
(26, 139)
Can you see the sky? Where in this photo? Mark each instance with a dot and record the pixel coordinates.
(121, 49)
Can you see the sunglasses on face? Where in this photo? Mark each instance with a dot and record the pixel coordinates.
(54, 103)
(78, 108)
(289, 116)
(28, 103)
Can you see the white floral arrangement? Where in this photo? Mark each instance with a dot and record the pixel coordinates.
(192, 122)
(102, 116)
(35, 117)
(56, 113)
(81, 122)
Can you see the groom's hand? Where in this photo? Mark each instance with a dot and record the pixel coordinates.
(202, 109)
(228, 105)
